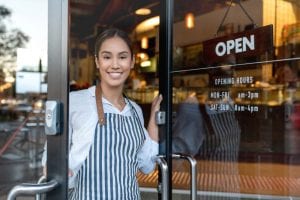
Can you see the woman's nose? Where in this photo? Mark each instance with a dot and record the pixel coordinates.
(115, 63)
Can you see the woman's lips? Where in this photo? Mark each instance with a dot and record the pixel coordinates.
(115, 75)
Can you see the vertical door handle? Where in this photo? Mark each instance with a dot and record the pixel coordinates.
(162, 163)
(29, 188)
(193, 169)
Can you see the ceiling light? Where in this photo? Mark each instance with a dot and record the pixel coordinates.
(146, 63)
(148, 24)
(143, 11)
(189, 20)
(144, 42)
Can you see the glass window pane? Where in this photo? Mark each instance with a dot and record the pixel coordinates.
(23, 90)
(235, 78)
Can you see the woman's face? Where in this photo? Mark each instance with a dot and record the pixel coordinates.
(114, 62)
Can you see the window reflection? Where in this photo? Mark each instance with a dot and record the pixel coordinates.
(23, 90)
(250, 101)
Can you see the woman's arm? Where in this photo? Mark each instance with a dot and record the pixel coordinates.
(152, 126)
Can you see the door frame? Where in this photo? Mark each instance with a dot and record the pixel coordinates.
(165, 87)
(58, 80)
(58, 89)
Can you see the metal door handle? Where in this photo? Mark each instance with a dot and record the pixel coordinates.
(193, 168)
(165, 177)
(41, 180)
(31, 188)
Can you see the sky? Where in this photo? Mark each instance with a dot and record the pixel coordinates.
(31, 17)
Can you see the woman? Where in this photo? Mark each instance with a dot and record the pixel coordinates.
(108, 142)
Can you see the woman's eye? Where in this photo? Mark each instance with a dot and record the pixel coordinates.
(123, 57)
(106, 57)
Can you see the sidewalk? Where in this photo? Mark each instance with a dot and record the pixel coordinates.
(20, 162)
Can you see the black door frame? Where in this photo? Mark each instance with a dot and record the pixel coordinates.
(165, 83)
(58, 89)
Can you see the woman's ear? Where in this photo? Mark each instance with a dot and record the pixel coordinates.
(96, 62)
(132, 62)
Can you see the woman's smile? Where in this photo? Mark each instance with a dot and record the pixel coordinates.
(115, 75)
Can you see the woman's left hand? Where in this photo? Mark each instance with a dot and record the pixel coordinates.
(152, 126)
(156, 104)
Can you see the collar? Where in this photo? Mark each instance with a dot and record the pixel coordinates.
(92, 92)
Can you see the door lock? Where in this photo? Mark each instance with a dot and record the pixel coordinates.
(160, 117)
(53, 118)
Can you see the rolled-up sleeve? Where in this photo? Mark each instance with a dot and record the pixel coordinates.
(149, 149)
(146, 155)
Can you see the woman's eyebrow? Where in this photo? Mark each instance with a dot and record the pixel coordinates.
(124, 52)
(105, 52)
(108, 52)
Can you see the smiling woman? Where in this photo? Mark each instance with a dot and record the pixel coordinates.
(108, 129)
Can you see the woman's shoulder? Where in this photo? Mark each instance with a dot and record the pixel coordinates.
(80, 97)
(79, 94)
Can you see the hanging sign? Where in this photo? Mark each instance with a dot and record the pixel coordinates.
(240, 45)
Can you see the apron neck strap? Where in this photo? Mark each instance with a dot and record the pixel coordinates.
(99, 103)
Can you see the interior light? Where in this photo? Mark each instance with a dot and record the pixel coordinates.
(148, 24)
(189, 20)
(144, 42)
(146, 63)
(143, 56)
(143, 11)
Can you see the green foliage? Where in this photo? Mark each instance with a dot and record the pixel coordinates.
(10, 39)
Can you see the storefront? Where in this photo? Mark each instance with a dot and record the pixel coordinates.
(228, 71)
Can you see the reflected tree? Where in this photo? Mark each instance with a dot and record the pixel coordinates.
(10, 40)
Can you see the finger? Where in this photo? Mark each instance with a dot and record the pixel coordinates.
(157, 99)
(71, 173)
(160, 98)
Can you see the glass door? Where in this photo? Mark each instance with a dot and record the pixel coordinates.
(58, 90)
(234, 94)
(37, 100)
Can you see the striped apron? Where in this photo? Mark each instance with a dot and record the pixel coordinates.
(109, 172)
(220, 150)
(222, 141)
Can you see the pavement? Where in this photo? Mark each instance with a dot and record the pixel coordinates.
(21, 146)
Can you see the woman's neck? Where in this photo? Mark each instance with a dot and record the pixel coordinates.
(114, 95)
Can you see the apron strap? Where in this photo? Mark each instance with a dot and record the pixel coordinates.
(100, 110)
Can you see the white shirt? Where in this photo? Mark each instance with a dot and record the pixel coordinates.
(83, 118)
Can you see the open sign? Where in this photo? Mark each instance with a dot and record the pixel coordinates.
(237, 45)
(243, 44)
